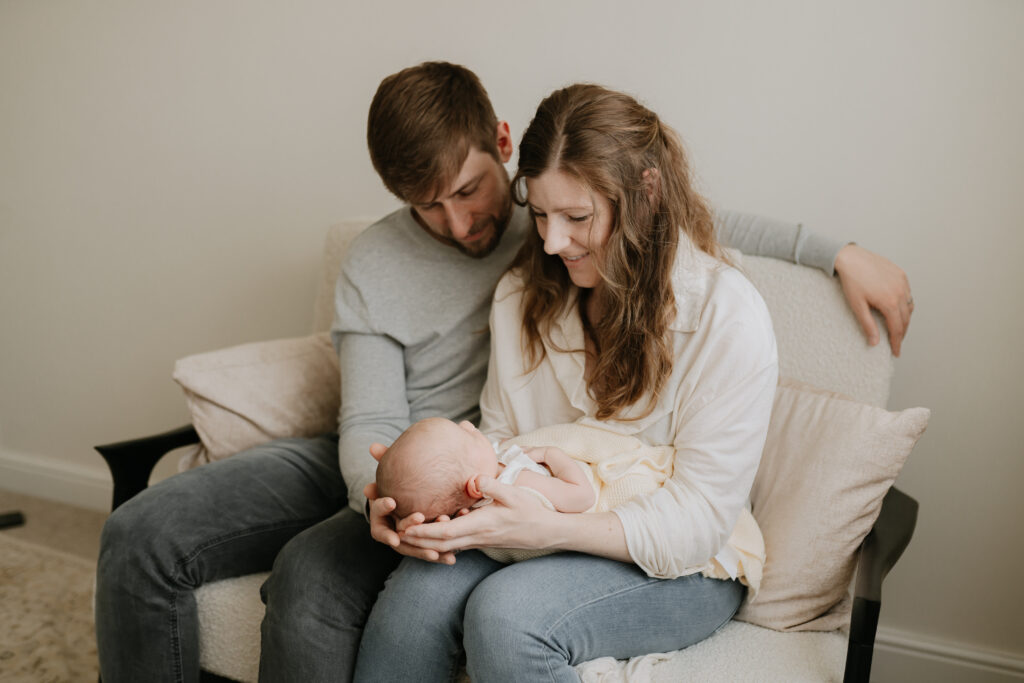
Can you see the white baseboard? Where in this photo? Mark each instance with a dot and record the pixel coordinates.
(909, 657)
(58, 480)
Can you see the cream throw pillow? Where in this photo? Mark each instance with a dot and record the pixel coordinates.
(828, 462)
(245, 395)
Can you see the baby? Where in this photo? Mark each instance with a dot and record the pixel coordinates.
(435, 465)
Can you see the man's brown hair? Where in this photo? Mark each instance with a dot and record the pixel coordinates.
(423, 121)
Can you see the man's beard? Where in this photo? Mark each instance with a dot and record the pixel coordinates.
(498, 224)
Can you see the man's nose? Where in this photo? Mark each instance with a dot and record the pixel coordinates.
(556, 238)
(459, 220)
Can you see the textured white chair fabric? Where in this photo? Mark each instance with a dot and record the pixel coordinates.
(819, 342)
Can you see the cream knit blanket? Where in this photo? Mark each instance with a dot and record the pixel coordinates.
(621, 467)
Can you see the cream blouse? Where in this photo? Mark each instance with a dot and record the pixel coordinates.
(713, 409)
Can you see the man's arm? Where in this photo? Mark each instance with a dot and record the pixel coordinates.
(760, 236)
(374, 408)
(374, 411)
(868, 280)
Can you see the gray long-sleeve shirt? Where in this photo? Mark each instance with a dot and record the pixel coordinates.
(410, 323)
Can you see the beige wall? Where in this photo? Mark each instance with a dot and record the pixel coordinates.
(167, 173)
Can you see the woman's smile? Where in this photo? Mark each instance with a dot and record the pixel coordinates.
(572, 221)
(573, 261)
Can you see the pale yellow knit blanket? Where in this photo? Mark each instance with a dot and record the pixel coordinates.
(621, 467)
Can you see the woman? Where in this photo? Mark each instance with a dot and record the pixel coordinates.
(621, 310)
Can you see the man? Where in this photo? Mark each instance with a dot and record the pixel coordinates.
(412, 304)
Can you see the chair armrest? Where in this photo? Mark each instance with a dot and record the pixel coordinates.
(881, 549)
(131, 462)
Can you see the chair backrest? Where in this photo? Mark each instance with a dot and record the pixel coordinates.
(339, 237)
(819, 339)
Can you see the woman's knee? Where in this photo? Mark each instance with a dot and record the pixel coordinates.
(415, 629)
(422, 598)
(506, 624)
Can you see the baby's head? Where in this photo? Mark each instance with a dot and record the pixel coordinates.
(433, 468)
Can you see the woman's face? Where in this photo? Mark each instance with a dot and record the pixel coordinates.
(573, 223)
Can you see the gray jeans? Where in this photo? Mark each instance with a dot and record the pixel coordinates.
(281, 505)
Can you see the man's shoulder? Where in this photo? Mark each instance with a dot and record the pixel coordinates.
(392, 248)
(386, 233)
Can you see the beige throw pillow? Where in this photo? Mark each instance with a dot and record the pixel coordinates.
(245, 395)
(828, 462)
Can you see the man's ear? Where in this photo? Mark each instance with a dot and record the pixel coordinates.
(472, 488)
(504, 141)
(651, 178)
(377, 450)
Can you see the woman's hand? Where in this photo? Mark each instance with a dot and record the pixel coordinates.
(516, 519)
(384, 529)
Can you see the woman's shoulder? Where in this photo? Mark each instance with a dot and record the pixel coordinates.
(510, 288)
(709, 290)
(731, 286)
(506, 307)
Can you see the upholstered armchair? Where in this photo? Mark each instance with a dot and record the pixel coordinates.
(823, 495)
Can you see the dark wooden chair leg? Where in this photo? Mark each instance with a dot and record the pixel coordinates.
(11, 519)
(882, 547)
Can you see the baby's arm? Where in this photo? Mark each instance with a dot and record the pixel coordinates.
(568, 489)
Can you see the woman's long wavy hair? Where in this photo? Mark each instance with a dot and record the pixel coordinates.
(615, 147)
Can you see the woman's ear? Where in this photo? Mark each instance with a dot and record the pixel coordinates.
(651, 178)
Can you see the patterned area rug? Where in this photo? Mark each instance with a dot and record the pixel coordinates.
(46, 626)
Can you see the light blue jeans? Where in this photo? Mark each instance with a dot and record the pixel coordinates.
(531, 621)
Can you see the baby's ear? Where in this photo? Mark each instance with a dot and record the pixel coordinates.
(473, 488)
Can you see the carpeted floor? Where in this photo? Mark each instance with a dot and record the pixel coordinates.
(47, 568)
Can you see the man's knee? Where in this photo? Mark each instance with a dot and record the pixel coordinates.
(329, 567)
(297, 568)
(132, 540)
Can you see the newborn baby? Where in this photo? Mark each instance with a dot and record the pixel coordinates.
(435, 465)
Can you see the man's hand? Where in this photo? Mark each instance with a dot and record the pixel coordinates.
(385, 530)
(873, 281)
